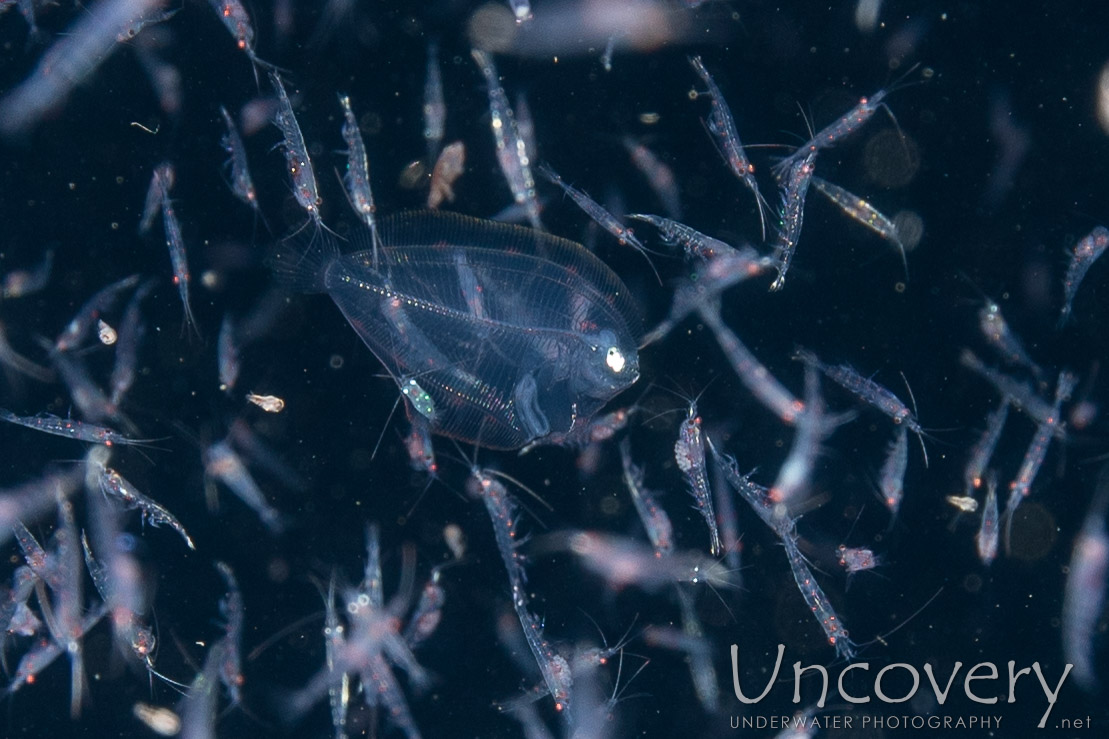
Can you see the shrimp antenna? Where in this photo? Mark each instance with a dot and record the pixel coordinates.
(807, 118)
(916, 413)
(282, 633)
(970, 281)
(522, 486)
(881, 638)
(855, 522)
(619, 646)
(169, 681)
(432, 477)
(661, 414)
(384, 427)
(471, 464)
(899, 84)
(683, 395)
(617, 691)
(763, 207)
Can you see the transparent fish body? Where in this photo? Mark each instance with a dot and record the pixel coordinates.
(503, 336)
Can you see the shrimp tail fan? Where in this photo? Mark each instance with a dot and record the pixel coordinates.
(300, 262)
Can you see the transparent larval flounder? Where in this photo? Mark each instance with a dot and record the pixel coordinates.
(496, 334)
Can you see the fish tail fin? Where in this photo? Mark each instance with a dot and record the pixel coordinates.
(300, 261)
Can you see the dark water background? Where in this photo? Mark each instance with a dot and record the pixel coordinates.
(78, 183)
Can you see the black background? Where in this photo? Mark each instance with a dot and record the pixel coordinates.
(77, 184)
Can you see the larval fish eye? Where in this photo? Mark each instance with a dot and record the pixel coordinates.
(615, 359)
